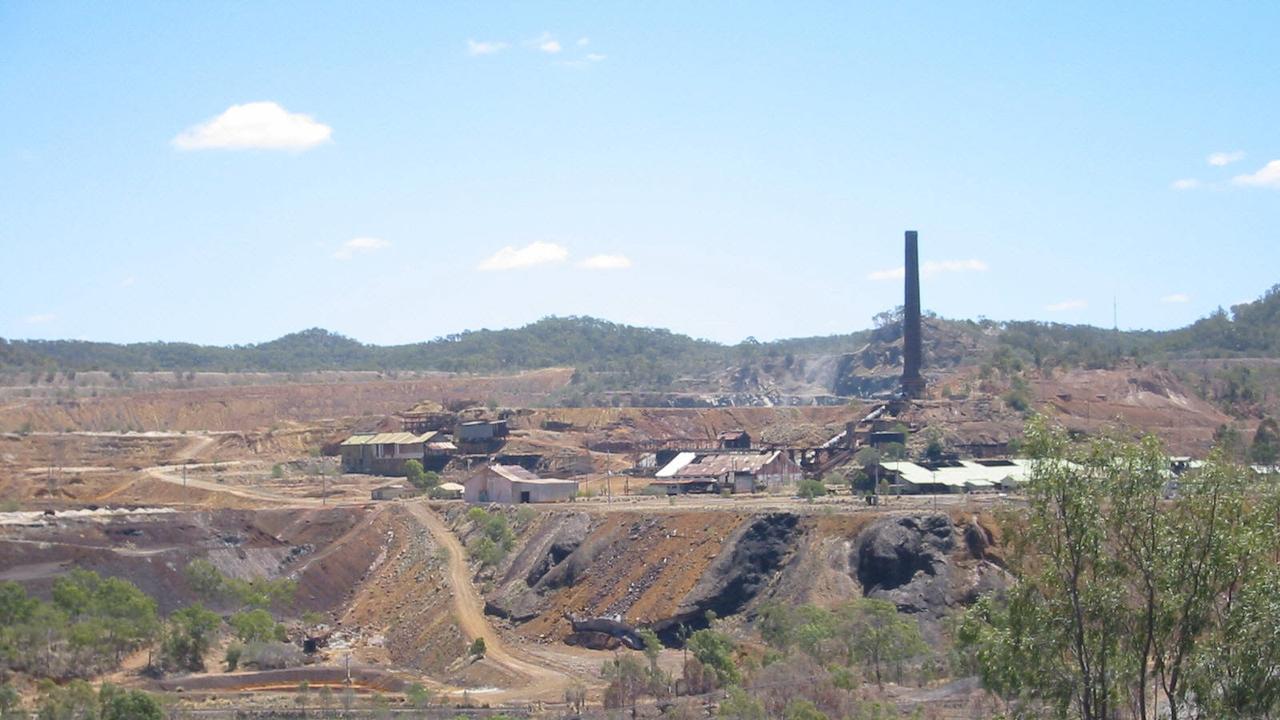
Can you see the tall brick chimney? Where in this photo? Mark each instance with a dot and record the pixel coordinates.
(912, 354)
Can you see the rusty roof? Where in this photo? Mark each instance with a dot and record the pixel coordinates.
(716, 465)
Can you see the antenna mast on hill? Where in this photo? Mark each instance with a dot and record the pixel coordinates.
(1115, 314)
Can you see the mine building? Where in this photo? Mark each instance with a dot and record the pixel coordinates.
(514, 484)
(737, 472)
(955, 476)
(386, 453)
(480, 430)
(734, 440)
(390, 492)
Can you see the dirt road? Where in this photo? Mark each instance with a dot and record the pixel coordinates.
(173, 475)
(537, 679)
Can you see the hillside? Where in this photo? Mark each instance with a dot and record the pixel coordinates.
(612, 356)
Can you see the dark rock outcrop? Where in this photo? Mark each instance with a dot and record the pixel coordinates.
(746, 563)
(904, 560)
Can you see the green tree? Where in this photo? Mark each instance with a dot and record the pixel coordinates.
(741, 706)
(418, 696)
(1265, 449)
(652, 647)
(935, 443)
(801, 709)
(478, 648)
(188, 637)
(255, 626)
(205, 579)
(119, 704)
(414, 473)
(810, 489)
(715, 650)
(627, 680)
(1124, 595)
(15, 607)
(74, 701)
(10, 703)
(877, 636)
(232, 656)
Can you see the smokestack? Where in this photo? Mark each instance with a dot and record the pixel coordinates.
(912, 355)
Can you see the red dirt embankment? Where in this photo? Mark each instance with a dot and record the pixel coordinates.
(328, 550)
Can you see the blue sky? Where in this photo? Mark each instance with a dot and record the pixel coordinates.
(230, 172)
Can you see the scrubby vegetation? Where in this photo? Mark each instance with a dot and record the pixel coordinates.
(495, 539)
(87, 627)
(613, 356)
(1136, 598)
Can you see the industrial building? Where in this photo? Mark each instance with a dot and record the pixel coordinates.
(386, 453)
(955, 476)
(737, 472)
(514, 484)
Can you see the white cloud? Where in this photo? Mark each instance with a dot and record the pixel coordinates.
(1267, 176)
(1185, 184)
(1066, 305)
(485, 47)
(40, 318)
(931, 268)
(1176, 298)
(535, 253)
(595, 57)
(584, 41)
(255, 125)
(1223, 159)
(359, 246)
(606, 262)
(547, 44)
(128, 282)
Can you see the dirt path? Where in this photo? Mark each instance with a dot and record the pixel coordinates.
(173, 475)
(538, 679)
(197, 445)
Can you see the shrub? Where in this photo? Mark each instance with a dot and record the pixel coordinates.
(810, 489)
(234, 651)
(255, 626)
(273, 655)
(477, 649)
(188, 637)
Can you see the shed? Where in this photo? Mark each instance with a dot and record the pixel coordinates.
(734, 440)
(514, 484)
(479, 431)
(450, 490)
(389, 492)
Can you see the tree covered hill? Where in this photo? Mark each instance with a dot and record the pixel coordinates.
(651, 357)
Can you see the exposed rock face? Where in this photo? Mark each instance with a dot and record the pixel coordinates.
(741, 571)
(905, 561)
(549, 561)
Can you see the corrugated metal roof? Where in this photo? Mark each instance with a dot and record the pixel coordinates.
(968, 473)
(399, 438)
(678, 462)
(514, 473)
(724, 464)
